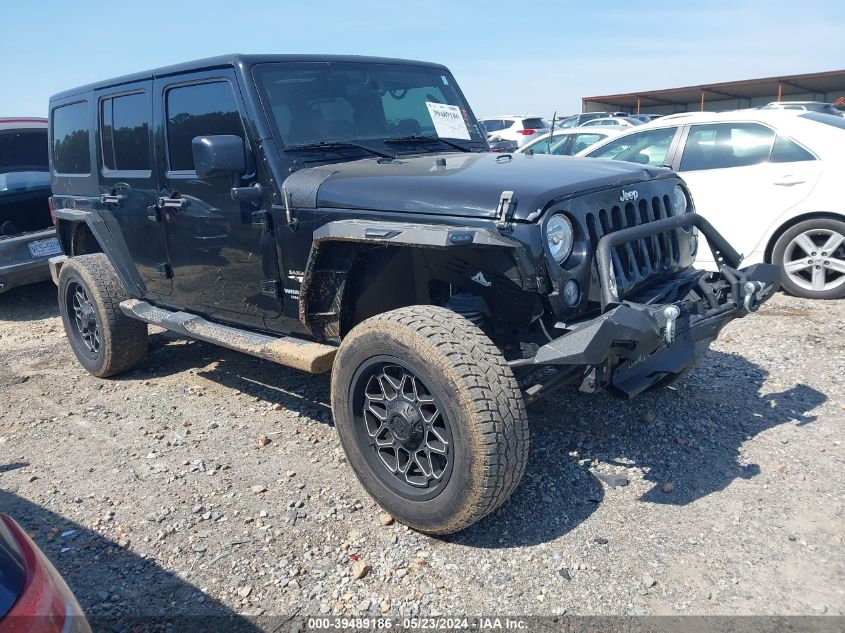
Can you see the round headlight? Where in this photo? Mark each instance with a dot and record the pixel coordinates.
(680, 205)
(559, 237)
(679, 200)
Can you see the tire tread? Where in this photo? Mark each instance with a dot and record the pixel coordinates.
(488, 392)
(124, 343)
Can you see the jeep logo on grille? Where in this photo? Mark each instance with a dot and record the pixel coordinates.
(629, 195)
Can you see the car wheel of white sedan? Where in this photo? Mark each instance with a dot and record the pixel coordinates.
(811, 256)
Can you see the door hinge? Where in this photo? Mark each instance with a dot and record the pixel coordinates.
(164, 269)
(261, 220)
(270, 288)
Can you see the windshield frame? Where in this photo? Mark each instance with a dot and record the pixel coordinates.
(476, 143)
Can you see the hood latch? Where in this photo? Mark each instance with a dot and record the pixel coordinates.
(504, 209)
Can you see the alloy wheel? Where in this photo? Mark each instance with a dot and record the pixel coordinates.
(85, 318)
(815, 260)
(403, 431)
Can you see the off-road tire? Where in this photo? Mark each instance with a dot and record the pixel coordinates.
(123, 340)
(779, 251)
(461, 367)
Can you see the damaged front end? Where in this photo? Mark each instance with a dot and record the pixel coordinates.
(653, 336)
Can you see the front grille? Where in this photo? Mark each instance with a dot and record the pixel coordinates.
(648, 257)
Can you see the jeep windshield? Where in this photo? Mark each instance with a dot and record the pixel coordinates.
(374, 107)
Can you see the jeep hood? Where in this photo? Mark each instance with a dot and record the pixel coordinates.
(467, 185)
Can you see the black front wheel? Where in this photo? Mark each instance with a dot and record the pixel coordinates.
(104, 340)
(430, 416)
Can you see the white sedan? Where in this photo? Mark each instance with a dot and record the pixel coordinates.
(770, 181)
(569, 141)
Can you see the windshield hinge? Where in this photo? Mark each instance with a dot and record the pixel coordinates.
(261, 220)
(503, 210)
(288, 213)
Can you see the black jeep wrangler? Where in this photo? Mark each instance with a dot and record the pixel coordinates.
(344, 214)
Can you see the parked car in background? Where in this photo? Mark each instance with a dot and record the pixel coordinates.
(33, 596)
(27, 235)
(645, 118)
(807, 106)
(769, 180)
(570, 141)
(615, 121)
(500, 146)
(577, 120)
(522, 129)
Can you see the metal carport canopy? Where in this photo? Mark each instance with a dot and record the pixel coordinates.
(821, 86)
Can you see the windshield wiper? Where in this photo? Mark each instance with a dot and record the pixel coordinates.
(422, 138)
(329, 145)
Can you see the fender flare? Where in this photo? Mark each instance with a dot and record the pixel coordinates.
(114, 249)
(411, 235)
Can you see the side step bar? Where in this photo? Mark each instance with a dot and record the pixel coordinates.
(314, 358)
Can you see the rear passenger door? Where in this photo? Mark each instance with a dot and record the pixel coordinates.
(128, 183)
(222, 265)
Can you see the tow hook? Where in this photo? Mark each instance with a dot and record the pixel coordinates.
(671, 314)
(749, 289)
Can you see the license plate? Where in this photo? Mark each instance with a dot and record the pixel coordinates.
(44, 248)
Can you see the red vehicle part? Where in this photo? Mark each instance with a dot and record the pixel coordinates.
(45, 604)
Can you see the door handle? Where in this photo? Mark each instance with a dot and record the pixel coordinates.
(789, 181)
(106, 198)
(171, 203)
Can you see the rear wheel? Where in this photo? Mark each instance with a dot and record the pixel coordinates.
(104, 340)
(811, 256)
(430, 416)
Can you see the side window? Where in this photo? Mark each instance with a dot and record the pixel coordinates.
(786, 151)
(647, 148)
(726, 145)
(541, 146)
(125, 132)
(198, 110)
(560, 143)
(581, 142)
(70, 139)
(492, 125)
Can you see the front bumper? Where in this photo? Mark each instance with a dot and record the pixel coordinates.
(632, 346)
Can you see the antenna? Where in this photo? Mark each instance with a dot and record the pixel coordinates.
(551, 134)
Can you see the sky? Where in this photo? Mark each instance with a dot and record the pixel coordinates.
(528, 57)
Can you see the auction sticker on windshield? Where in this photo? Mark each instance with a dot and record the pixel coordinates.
(448, 120)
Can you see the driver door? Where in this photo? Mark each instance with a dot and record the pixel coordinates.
(222, 264)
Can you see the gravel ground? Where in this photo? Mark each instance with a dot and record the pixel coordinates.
(210, 482)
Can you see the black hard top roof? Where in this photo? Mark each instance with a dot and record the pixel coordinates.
(233, 60)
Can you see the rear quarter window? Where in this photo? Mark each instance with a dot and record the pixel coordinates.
(71, 153)
(787, 151)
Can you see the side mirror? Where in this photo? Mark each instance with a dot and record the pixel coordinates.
(220, 155)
